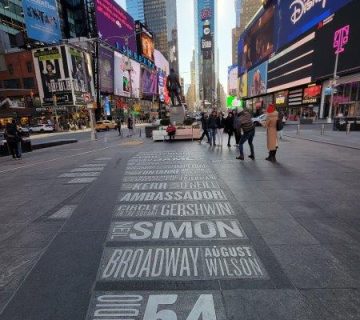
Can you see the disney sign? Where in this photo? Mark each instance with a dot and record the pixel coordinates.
(301, 7)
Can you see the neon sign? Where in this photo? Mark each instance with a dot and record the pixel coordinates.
(341, 38)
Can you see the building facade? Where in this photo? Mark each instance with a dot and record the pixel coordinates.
(136, 9)
(161, 18)
(238, 9)
(248, 8)
(206, 54)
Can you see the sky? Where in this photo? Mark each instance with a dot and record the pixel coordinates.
(185, 20)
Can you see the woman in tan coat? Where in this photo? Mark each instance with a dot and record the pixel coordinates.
(271, 132)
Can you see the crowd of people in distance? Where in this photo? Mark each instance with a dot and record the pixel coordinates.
(239, 124)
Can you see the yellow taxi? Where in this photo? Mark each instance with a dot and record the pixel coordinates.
(105, 125)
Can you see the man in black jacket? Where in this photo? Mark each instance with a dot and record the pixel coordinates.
(213, 125)
(229, 126)
(12, 139)
(205, 127)
(248, 128)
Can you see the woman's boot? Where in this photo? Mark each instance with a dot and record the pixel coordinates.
(273, 154)
(269, 157)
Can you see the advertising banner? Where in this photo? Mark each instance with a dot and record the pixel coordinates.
(206, 20)
(232, 79)
(126, 76)
(115, 25)
(106, 70)
(298, 16)
(257, 80)
(145, 41)
(312, 94)
(80, 65)
(338, 34)
(243, 83)
(258, 41)
(281, 98)
(149, 82)
(161, 62)
(42, 20)
(53, 75)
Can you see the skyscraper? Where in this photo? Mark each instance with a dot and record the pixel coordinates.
(247, 11)
(206, 62)
(136, 9)
(160, 17)
(238, 9)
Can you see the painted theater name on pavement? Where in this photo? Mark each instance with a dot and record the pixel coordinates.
(185, 305)
(166, 171)
(172, 185)
(181, 263)
(225, 229)
(169, 178)
(172, 166)
(172, 196)
(175, 210)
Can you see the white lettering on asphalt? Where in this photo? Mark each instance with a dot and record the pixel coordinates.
(175, 230)
(175, 210)
(170, 185)
(172, 196)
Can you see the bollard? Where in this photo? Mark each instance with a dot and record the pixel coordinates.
(140, 133)
(348, 128)
(322, 129)
(298, 129)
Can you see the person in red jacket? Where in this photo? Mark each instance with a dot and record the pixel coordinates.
(171, 130)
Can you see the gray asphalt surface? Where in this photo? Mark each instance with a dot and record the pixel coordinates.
(124, 228)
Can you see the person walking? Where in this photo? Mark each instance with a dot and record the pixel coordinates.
(205, 127)
(236, 126)
(220, 128)
(280, 125)
(174, 87)
(247, 126)
(118, 123)
(229, 126)
(272, 117)
(213, 125)
(130, 126)
(13, 139)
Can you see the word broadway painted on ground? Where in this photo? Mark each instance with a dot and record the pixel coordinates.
(180, 263)
(225, 229)
(215, 208)
(172, 196)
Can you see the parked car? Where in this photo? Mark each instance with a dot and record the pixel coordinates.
(41, 128)
(25, 131)
(105, 125)
(257, 120)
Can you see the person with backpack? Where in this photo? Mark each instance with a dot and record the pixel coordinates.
(272, 117)
(245, 125)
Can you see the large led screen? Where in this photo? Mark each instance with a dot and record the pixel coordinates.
(106, 70)
(115, 25)
(232, 79)
(338, 34)
(126, 76)
(149, 82)
(298, 16)
(42, 20)
(258, 41)
(257, 80)
(145, 41)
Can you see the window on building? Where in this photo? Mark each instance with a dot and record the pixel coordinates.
(11, 68)
(29, 66)
(29, 83)
(12, 84)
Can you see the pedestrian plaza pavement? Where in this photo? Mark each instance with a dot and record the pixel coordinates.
(185, 231)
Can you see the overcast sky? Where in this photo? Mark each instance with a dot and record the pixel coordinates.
(225, 22)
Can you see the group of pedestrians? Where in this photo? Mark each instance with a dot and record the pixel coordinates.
(240, 125)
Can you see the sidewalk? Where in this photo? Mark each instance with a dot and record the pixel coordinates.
(338, 138)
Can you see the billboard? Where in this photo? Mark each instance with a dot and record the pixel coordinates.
(257, 43)
(126, 76)
(115, 26)
(232, 79)
(145, 41)
(81, 73)
(149, 82)
(257, 80)
(243, 89)
(206, 27)
(106, 70)
(340, 33)
(53, 75)
(312, 94)
(161, 62)
(42, 20)
(298, 16)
